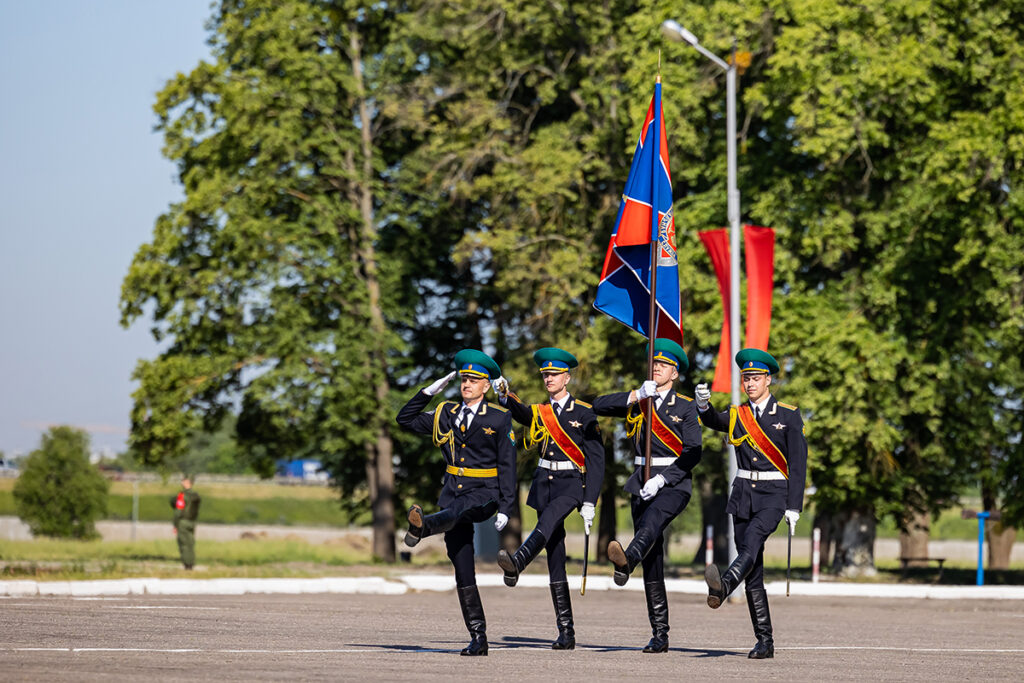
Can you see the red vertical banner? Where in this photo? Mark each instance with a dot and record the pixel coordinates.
(759, 248)
(717, 244)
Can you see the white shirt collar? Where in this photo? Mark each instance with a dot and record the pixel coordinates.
(763, 405)
(562, 401)
(473, 407)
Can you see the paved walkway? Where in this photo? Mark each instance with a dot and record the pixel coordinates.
(419, 582)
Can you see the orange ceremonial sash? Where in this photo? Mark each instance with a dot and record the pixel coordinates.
(758, 439)
(665, 434)
(547, 416)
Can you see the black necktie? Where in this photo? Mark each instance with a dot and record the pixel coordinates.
(558, 409)
(657, 402)
(466, 412)
(757, 412)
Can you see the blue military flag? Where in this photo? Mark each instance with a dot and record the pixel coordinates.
(624, 292)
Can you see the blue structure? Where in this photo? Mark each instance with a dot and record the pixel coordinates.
(307, 469)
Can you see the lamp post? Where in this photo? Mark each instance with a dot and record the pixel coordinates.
(673, 31)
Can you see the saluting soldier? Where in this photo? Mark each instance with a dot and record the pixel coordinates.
(568, 477)
(675, 451)
(479, 449)
(771, 461)
(186, 511)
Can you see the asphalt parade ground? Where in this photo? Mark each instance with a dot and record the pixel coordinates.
(417, 636)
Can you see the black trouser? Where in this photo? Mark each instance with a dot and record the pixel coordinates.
(656, 514)
(551, 523)
(459, 541)
(751, 534)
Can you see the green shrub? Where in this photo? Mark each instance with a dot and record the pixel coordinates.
(59, 493)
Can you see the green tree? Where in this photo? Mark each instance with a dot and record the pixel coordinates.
(267, 281)
(59, 493)
(883, 141)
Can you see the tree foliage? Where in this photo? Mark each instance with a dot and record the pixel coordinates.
(59, 492)
(370, 187)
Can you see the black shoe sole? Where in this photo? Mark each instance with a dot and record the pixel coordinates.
(508, 566)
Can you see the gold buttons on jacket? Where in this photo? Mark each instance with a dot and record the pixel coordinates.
(462, 460)
(460, 486)
(753, 486)
(754, 459)
(551, 476)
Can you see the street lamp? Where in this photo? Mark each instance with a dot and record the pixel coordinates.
(673, 31)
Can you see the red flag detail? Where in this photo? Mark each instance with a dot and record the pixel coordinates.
(759, 245)
(716, 242)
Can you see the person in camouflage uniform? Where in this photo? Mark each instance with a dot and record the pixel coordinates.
(186, 510)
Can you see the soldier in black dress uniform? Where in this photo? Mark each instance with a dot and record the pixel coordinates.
(771, 461)
(568, 477)
(675, 451)
(479, 449)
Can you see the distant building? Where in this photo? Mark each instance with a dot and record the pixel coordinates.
(306, 470)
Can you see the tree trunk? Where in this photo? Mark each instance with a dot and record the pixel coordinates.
(606, 522)
(380, 471)
(712, 513)
(914, 541)
(1000, 544)
(825, 522)
(855, 543)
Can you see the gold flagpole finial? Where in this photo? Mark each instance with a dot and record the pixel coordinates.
(658, 80)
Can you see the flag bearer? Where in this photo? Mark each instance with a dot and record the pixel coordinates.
(771, 461)
(675, 451)
(478, 445)
(568, 477)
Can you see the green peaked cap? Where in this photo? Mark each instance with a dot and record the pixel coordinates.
(668, 351)
(550, 359)
(756, 360)
(477, 364)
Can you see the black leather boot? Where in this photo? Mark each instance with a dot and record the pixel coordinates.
(721, 585)
(657, 612)
(514, 564)
(757, 604)
(473, 614)
(563, 617)
(625, 561)
(421, 526)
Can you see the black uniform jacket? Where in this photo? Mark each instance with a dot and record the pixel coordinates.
(488, 443)
(679, 413)
(784, 426)
(580, 423)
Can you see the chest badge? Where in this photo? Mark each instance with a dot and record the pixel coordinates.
(676, 418)
(779, 425)
(488, 431)
(576, 424)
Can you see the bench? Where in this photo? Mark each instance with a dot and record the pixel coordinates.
(905, 563)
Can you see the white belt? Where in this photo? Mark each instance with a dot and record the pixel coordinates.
(760, 476)
(556, 464)
(655, 462)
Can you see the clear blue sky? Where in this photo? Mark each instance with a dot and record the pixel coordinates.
(82, 181)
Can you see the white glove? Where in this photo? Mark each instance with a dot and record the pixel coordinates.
(439, 384)
(651, 488)
(500, 387)
(703, 396)
(646, 390)
(791, 517)
(587, 513)
(500, 521)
